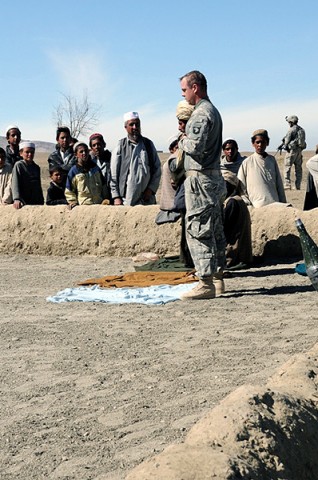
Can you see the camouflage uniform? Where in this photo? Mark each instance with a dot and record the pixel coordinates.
(293, 157)
(204, 189)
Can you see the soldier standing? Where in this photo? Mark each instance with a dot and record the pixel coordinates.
(294, 143)
(204, 188)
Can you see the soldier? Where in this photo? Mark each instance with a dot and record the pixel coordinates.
(204, 188)
(294, 143)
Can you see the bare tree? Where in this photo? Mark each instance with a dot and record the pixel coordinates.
(79, 114)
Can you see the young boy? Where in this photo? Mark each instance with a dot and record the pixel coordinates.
(85, 181)
(101, 156)
(13, 135)
(260, 175)
(5, 179)
(63, 156)
(55, 193)
(26, 179)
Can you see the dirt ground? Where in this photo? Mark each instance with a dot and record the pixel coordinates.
(91, 390)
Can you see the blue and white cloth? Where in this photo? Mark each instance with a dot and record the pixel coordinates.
(155, 295)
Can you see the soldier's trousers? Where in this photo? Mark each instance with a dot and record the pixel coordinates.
(204, 196)
(293, 158)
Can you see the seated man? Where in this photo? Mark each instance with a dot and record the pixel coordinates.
(237, 221)
(172, 201)
(135, 167)
(167, 212)
(260, 175)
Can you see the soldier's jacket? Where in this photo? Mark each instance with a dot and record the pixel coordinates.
(293, 140)
(203, 142)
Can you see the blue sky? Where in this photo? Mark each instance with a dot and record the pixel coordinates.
(260, 60)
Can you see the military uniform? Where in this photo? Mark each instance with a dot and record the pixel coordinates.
(293, 157)
(204, 189)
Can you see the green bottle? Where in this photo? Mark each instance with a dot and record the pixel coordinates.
(310, 253)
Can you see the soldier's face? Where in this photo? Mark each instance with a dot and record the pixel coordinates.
(188, 92)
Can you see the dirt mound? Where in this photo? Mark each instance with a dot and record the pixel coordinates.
(255, 432)
(127, 231)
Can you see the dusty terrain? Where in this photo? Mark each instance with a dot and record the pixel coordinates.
(91, 390)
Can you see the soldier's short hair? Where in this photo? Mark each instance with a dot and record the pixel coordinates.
(196, 77)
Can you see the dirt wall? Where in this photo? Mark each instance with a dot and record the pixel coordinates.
(126, 231)
(255, 432)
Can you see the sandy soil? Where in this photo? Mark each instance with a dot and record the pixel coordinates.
(90, 390)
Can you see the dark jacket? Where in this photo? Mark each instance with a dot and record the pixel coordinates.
(56, 160)
(11, 157)
(103, 163)
(26, 183)
(55, 195)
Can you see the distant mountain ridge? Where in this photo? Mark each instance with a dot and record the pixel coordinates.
(39, 146)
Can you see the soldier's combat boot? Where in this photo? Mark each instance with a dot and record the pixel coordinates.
(203, 291)
(218, 283)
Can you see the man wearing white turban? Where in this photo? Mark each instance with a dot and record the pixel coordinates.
(26, 178)
(135, 167)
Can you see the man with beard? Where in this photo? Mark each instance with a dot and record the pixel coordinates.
(135, 167)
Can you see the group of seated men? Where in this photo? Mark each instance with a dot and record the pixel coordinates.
(82, 174)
